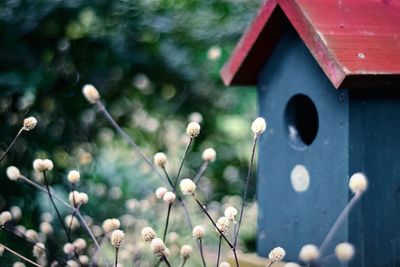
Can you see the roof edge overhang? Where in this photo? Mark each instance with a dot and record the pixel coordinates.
(259, 40)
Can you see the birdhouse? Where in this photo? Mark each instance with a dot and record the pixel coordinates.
(328, 82)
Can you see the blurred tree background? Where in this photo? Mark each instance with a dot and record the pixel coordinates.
(156, 64)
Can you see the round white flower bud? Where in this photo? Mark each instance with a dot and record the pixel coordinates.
(187, 186)
(46, 228)
(193, 129)
(291, 264)
(224, 264)
(169, 197)
(160, 159)
(73, 221)
(117, 238)
(186, 250)
(198, 232)
(223, 224)
(79, 244)
(160, 192)
(358, 183)
(277, 254)
(309, 253)
(84, 259)
(38, 250)
(258, 126)
(5, 217)
(148, 234)
(209, 154)
(1, 250)
(344, 251)
(74, 176)
(72, 263)
(32, 235)
(90, 92)
(41, 165)
(230, 213)
(16, 213)
(110, 225)
(13, 173)
(68, 248)
(157, 245)
(29, 123)
(19, 264)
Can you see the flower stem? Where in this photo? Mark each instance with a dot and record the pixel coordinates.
(165, 260)
(167, 222)
(198, 176)
(12, 143)
(116, 257)
(127, 138)
(55, 207)
(181, 165)
(183, 262)
(168, 178)
(201, 252)
(20, 256)
(246, 187)
(219, 249)
(339, 221)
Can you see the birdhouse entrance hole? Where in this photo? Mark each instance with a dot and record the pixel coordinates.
(301, 121)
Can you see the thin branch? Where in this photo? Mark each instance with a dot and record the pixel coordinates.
(244, 196)
(20, 256)
(12, 143)
(339, 221)
(86, 226)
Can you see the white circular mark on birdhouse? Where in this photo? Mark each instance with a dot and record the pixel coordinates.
(361, 55)
(300, 178)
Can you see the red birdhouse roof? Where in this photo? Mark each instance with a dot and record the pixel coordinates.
(356, 42)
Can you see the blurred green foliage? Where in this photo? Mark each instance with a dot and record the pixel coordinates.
(156, 64)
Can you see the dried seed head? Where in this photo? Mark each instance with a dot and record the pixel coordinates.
(230, 213)
(193, 129)
(258, 126)
(291, 264)
(224, 264)
(344, 251)
(46, 228)
(72, 263)
(13, 173)
(160, 192)
(111, 224)
(29, 123)
(198, 232)
(117, 238)
(277, 254)
(77, 198)
(160, 159)
(38, 250)
(79, 244)
(157, 245)
(187, 186)
(148, 234)
(169, 197)
(74, 176)
(19, 264)
(166, 252)
(309, 253)
(209, 154)
(358, 183)
(5, 217)
(186, 250)
(90, 92)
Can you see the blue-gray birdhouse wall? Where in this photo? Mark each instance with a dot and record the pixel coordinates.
(317, 137)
